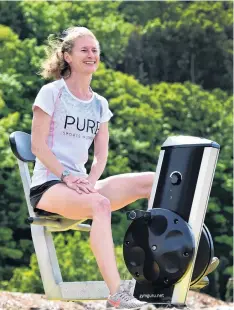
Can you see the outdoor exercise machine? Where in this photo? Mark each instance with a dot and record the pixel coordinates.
(167, 248)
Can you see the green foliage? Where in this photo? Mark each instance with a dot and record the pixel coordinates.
(10, 50)
(141, 12)
(7, 251)
(192, 43)
(12, 210)
(110, 28)
(12, 16)
(229, 292)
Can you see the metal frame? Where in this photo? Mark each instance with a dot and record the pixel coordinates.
(198, 209)
(197, 216)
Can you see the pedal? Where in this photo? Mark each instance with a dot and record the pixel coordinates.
(136, 214)
(200, 284)
(213, 265)
(204, 280)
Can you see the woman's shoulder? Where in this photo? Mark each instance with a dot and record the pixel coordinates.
(100, 98)
(54, 86)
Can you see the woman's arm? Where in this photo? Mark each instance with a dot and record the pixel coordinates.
(101, 143)
(40, 132)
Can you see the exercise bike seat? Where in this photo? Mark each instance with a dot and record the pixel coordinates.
(20, 143)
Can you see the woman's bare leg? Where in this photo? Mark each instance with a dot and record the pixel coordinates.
(101, 242)
(62, 200)
(114, 193)
(124, 189)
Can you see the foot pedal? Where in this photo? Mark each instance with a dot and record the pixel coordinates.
(204, 280)
(133, 215)
(200, 284)
(213, 265)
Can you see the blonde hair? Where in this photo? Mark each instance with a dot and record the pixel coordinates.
(54, 65)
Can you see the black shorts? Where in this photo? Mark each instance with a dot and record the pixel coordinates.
(36, 192)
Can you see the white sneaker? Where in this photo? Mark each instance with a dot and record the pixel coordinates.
(123, 300)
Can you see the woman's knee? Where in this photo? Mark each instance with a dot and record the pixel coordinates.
(145, 183)
(101, 207)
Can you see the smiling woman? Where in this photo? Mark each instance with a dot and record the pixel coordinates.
(67, 50)
(67, 117)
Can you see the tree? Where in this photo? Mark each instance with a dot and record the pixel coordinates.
(192, 43)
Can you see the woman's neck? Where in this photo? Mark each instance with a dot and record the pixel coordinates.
(80, 85)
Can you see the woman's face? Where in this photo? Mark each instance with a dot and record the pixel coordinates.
(84, 57)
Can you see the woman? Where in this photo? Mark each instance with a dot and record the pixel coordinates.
(67, 116)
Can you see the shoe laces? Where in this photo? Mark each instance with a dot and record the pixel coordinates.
(126, 296)
(126, 286)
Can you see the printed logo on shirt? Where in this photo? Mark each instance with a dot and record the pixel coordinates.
(75, 135)
(87, 125)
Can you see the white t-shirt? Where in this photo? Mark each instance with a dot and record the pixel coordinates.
(74, 124)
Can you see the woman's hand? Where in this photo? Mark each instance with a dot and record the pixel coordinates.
(83, 185)
(79, 184)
